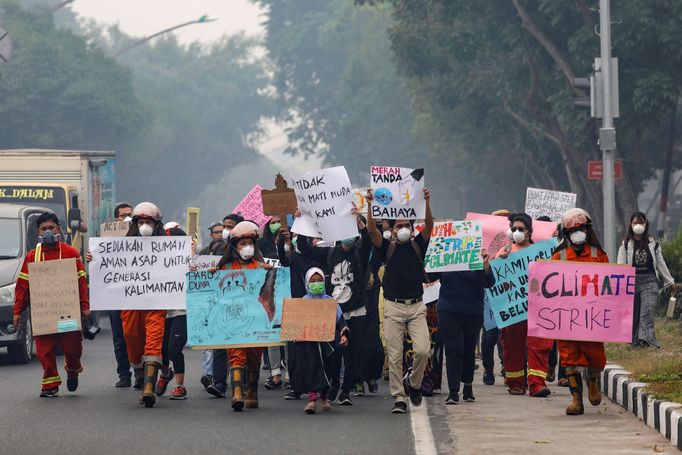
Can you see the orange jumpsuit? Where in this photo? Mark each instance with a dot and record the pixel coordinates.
(143, 332)
(517, 349)
(582, 353)
(71, 343)
(249, 358)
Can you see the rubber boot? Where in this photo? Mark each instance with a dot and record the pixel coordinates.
(151, 371)
(593, 391)
(237, 383)
(252, 389)
(575, 384)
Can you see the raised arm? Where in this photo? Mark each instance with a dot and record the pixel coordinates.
(372, 229)
(428, 219)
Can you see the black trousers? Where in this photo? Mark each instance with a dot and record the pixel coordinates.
(220, 369)
(459, 333)
(491, 338)
(174, 340)
(353, 356)
(120, 349)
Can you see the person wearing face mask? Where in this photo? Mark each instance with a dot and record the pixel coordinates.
(642, 251)
(229, 222)
(267, 243)
(517, 346)
(144, 329)
(347, 264)
(312, 362)
(580, 244)
(242, 253)
(404, 309)
(52, 248)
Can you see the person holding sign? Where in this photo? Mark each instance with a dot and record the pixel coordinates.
(52, 248)
(642, 251)
(241, 253)
(580, 244)
(144, 329)
(517, 346)
(404, 309)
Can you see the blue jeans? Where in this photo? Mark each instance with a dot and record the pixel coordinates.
(207, 361)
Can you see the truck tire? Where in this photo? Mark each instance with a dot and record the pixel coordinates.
(22, 352)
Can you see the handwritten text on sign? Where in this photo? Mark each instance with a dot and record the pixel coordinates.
(509, 296)
(236, 307)
(55, 300)
(495, 230)
(581, 301)
(549, 203)
(309, 320)
(454, 246)
(398, 193)
(325, 200)
(251, 207)
(139, 273)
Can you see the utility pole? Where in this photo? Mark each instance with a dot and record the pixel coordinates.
(607, 132)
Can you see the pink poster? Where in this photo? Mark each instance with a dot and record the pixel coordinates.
(495, 231)
(581, 301)
(251, 207)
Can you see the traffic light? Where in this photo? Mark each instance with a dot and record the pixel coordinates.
(586, 102)
(594, 84)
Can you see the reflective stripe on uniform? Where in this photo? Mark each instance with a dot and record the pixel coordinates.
(51, 380)
(23, 276)
(538, 373)
(82, 274)
(514, 374)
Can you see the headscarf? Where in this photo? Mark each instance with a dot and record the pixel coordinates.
(308, 275)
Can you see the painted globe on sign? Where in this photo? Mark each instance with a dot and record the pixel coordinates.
(383, 196)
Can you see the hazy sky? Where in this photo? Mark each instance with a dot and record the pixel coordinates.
(144, 17)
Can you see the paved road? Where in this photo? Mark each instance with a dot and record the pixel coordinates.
(101, 419)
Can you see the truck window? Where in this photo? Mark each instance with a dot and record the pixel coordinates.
(10, 238)
(32, 231)
(51, 197)
(74, 199)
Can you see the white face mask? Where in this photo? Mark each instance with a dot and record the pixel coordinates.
(578, 237)
(226, 234)
(128, 219)
(638, 229)
(146, 230)
(247, 252)
(387, 235)
(518, 237)
(404, 234)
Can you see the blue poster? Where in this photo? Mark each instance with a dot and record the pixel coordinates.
(231, 308)
(509, 296)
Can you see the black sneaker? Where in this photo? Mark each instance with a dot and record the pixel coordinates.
(452, 399)
(291, 395)
(50, 393)
(489, 378)
(270, 384)
(359, 390)
(72, 384)
(333, 392)
(399, 407)
(468, 393)
(551, 375)
(344, 399)
(215, 391)
(373, 386)
(123, 383)
(415, 394)
(206, 381)
(139, 382)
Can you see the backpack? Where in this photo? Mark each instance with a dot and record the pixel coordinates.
(391, 250)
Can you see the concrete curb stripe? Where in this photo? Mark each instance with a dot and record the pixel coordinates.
(424, 442)
(633, 392)
(666, 410)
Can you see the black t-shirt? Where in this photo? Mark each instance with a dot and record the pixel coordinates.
(642, 259)
(404, 274)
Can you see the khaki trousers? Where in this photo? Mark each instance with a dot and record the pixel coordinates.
(401, 319)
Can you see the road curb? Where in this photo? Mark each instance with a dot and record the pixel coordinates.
(664, 416)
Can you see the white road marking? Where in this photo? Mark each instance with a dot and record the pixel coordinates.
(424, 443)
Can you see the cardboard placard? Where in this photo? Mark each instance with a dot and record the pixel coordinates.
(192, 221)
(55, 301)
(114, 229)
(309, 320)
(360, 200)
(495, 231)
(541, 202)
(454, 246)
(205, 261)
(398, 193)
(431, 291)
(251, 207)
(279, 201)
(583, 301)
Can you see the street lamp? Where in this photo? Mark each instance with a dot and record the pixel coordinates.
(202, 20)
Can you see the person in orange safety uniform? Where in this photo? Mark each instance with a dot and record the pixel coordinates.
(516, 345)
(51, 248)
(242, 253)
(580, 244)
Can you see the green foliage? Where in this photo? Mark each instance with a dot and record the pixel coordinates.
(672, 253)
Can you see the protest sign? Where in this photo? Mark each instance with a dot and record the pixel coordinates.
(251, 207)
(431, 291)
(549, 203)
(272, 262)
(114, 229)
(205, 261)
(236, 308)
(398, 193)
(279, 201)
(309, 320)
(325, 200)
(360, 201)
(454, 246)
(55, 300)
(581, 301)
(139, 273)
(509, 296)
(495, 231)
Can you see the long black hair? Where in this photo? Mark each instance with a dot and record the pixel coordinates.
(630, 235)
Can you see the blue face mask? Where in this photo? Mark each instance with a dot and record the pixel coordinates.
(348, 242)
